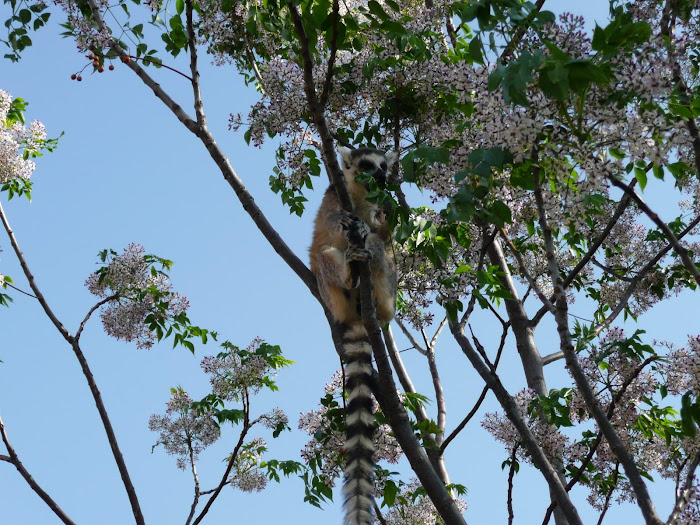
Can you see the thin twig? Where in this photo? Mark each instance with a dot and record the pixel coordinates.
(481, 397)
(224, 479)
(511, 475)
(410, 337)
(19, 290)
(92, 310)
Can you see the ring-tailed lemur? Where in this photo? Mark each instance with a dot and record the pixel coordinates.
(334, 262)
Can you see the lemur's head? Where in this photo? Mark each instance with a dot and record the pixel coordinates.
(374, 162)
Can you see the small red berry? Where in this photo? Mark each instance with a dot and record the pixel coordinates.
(73, 76)
(79, 79)
(111, 67)
(101, 69)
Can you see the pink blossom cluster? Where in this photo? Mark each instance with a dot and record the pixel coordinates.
(233, 372)
(183, 431)
(16, 143)
(330, 449)
(133, 294)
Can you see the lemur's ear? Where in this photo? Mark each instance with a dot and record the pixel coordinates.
(391, 157)
(345, 154)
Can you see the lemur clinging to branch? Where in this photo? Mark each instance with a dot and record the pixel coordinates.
(335, 259)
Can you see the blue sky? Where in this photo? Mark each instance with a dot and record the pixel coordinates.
(127, 171)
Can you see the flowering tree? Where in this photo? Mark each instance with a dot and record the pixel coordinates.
(534, 141)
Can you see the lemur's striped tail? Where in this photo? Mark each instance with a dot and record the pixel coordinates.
(358, 487)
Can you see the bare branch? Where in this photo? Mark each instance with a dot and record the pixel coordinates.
(30, 278)
(410, 337)
(400, 369)
(97, 397)
(14, 459)
(92, 310)
(20, 290)
(554, 356)
(680, 250)
(481, 397)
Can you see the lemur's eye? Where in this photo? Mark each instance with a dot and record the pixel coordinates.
(383, 166)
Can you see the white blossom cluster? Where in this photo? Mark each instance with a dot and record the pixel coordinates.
(135, 294)
(16, 142)
(86, 32)
(184, 432)
(234, 372)
(330, 450)
(415, 511)
(548, 437)
(246, 476)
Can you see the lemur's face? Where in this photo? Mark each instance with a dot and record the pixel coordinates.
(373, 162)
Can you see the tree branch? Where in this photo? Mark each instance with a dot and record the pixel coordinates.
(680, 250)
(621, 207)
(14, 459)
(224, 479)
(513, 413)
(561, 317)
(92, 310)
(97, 397)
(192, 44)
(482, 396)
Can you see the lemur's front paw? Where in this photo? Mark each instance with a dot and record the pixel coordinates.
(356, 232)
(346, 221)
(353, 253)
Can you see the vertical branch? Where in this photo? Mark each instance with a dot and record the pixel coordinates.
(192, 43)
(511, 475)
(14, 459)
(567, 347)
(193, 467)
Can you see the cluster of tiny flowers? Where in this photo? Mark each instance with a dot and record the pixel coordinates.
(410, 510)
(16, 141)
(274, 419)
(682, 368)
(548, 437)
(85, 31)
(231, 373)
(136, 294)
(184, 432)
(247, 477)
(330, 449)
